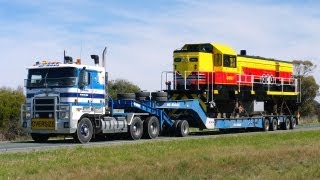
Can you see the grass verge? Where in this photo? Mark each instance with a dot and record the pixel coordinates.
(289, 155)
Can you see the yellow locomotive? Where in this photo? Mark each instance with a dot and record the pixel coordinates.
(230, 84)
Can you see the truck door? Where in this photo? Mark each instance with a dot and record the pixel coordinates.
(85, 90)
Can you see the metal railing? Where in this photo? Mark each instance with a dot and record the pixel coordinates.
(186, 80)
(267, 80)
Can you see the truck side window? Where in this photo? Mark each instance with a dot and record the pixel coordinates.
(229, 61)
(217, 59)
(89, 78)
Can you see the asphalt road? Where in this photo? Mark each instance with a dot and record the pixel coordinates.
(27, 146)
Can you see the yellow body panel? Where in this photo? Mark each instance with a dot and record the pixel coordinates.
(223, 49)
(282, 93)
(256, 63)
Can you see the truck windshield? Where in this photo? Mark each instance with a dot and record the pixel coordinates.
(51, 77)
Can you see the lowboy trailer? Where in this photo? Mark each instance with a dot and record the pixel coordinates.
(72, 99)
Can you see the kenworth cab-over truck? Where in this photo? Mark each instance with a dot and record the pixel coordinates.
(72, 99)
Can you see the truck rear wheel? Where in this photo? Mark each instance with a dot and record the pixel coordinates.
(136, 128)
(39, 138)
(183, 128)
(151, 127)
(84, 131)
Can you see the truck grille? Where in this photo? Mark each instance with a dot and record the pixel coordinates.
(43, 108)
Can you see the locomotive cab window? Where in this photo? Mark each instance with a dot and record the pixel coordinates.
(217, 59)
(229, 61)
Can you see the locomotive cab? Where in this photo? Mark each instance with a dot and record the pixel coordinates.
(197, 66)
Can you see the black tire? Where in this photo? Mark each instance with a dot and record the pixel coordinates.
(141, 98)
(151, 127)
(274, 124)
(136, 128)
(84, 131)
(159, 98)
(293, 123)
(40, 138)
(126, 96)
(159, 94)
(266, 125)
(183, 128)
(174, 127)
(286, 124)
(142, 94)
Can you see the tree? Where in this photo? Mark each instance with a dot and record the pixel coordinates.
(309, 87)
(303, 68)
(309, 90)
(10, 103)
(121, 86)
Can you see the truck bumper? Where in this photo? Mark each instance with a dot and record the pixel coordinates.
(62, 127)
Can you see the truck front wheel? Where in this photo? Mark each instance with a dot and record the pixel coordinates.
(84, 131)
(136, 128)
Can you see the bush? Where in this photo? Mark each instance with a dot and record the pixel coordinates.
(10, 103)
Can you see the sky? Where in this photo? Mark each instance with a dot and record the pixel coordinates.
(141, 35)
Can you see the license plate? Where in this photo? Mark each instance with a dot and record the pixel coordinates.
(43, 124)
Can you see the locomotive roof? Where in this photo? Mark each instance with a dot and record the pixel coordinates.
(263, 58)
(228, 50)
(225, 49)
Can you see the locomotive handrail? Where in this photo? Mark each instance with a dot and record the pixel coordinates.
(267, 80)
(174, 78)
(185, 79)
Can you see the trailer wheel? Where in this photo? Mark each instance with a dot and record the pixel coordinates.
(151, 127)
(266, 125)
(84, 131)
(286, 124)
(39, 138)
(183, 128)
(136, 128)
(293, 123)
(274, 124)
(174, 127)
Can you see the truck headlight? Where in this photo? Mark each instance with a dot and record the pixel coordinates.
(50, 115)
(64, 115)
(28, 115)
(37, 115)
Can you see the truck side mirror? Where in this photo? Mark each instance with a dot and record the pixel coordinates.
(83, 78)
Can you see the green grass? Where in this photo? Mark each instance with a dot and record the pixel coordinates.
(289, 155)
